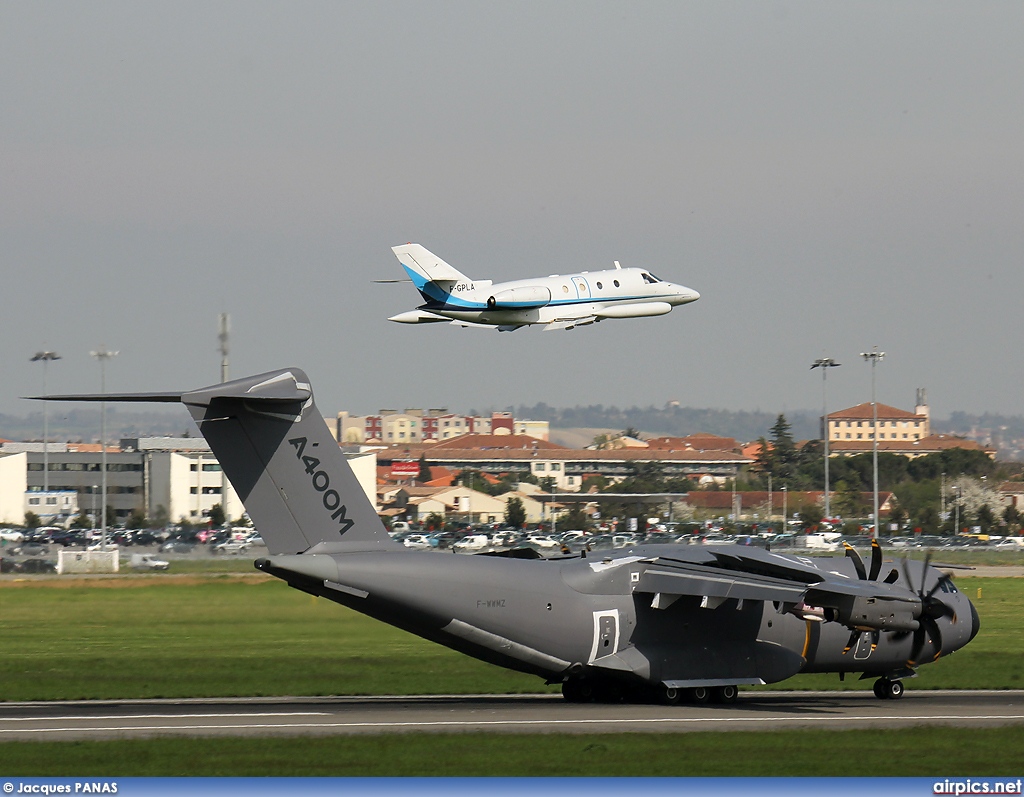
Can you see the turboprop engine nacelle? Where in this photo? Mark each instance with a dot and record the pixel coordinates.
(518, 298)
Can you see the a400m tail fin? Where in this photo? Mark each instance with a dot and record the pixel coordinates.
(281, 459)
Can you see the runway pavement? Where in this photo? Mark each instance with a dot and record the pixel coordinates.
(757, 711)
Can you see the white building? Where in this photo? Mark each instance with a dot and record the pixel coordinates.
(414, 426)
(176, 476)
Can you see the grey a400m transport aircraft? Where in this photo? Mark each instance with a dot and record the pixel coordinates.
(648, 622)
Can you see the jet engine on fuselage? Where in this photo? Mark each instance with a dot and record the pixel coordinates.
(519, 298)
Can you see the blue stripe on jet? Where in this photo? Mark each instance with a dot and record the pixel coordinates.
(441, 299)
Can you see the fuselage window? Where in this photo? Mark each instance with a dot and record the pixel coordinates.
(616, 283)
(599, 286)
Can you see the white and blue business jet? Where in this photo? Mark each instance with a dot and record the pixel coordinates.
(554, 302)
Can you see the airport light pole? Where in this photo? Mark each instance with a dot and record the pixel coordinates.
(824, 363)
(224, 337)
(874, 357)
(45, 357)
(956, 509)
(942, 498)
(103, 354)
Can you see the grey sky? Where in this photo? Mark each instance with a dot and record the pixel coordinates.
(830, 176)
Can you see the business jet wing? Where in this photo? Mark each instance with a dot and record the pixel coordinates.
(569, 323)
(499, 327)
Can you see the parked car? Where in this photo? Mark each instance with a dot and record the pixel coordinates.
(178, 545)
(68, 538)
(148, 561)
(231, 547)
(36, 566)
(30, 549)
(144, 537)
(472, 542)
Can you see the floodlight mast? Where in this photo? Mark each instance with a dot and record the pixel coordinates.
(45, 357)
(874, 357)
(824, 363)
(225, 349)
(103, 354)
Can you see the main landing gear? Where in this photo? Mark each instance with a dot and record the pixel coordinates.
(700, 695)
(587, 690)
(886, 689)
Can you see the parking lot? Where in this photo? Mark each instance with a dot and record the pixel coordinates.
(145, 550)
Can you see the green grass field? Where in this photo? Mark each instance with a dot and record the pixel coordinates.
(222, 635)
(217, 636)
(213, 636)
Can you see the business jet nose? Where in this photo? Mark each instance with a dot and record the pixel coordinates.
(680, 294)
(687, 295)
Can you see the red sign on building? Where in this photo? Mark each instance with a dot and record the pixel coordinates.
(405, 469)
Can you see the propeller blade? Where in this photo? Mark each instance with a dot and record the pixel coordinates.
(858, 563)
(936, 638)
(906, 575)
(876, 560)
(854, 636)
(917, 646)
(938, 584)
(931, 610)
(893, 576)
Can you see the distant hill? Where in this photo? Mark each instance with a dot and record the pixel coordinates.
(83, 425)
(673, 421)
(581, 424)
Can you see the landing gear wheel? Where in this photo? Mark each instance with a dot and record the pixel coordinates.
(670, 696)
(698, 694)
(577, 690)
(885, 689)
(607, 691)
(725, 694)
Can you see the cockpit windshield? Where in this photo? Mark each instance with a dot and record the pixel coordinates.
(648, 277)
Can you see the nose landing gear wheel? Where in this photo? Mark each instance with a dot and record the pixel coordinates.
(885, 689)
